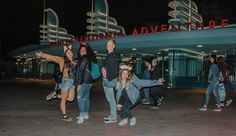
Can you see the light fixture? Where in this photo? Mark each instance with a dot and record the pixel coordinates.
(214, 51)
(95, 52)
(134, 49)
(199, 46)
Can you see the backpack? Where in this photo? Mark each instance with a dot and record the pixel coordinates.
(95, 72)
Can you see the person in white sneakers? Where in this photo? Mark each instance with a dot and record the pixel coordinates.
(128, 95)
(213, 79)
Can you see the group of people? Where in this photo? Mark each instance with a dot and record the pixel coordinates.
(217, 77)
(121, 86)
(116, 78)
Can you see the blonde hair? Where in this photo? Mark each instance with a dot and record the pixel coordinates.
(128, 80)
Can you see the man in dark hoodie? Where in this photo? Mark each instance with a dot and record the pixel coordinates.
(111, 66)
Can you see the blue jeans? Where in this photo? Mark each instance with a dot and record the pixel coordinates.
(221, 91)
(109, 93)
(212, 88)
(146, 94)
(83, 98)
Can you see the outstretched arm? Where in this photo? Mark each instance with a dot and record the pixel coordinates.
(146, 83)
(48, 57)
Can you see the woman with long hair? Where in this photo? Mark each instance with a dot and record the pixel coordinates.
(66, 65)
(213, 80)
(128, 95)
(83, 79)
(223, 80)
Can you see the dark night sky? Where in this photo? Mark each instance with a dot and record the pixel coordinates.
(20, 19)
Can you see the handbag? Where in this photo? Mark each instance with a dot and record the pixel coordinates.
(58, 76)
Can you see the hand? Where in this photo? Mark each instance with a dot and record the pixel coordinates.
(209, 81)
(161, 81)
(39, 53)
(78, 88)
(104, 72)
(119, 106)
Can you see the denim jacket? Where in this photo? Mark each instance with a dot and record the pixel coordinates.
(213, 75)
(132, 89)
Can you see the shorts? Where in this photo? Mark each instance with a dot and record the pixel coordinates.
(67, 83)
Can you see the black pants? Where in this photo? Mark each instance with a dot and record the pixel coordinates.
(155, 94)
(127, 105)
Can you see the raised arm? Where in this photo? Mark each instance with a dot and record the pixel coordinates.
(48, 57)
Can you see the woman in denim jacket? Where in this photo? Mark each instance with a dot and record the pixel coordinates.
(127, 87)
(213, 80)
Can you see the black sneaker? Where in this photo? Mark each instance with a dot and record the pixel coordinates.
(110, 121)
(106, 117)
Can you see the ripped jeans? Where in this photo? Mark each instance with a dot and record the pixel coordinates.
(83, 98)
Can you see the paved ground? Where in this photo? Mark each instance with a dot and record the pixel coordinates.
(24, 112)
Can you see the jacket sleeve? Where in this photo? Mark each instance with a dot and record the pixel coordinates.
(82, 69)
(111, 83)
(112, 67)
(210, 74)
(144, 83)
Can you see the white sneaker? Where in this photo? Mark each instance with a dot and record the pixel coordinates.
(123, 122)
(132, 121)
(204, 108)
(80, 119)
(51, 96)
(86, 116)
(217, 109)
(228, 102)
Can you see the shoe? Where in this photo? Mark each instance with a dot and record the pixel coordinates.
(143, 100)
(80, 119)
(51, 96)
(123, 122)
(145, 103)
(228, 102)
(222, 104)
(204, 108)
(110, 121)
(132, 121)
(66, 118)
(86, 116)
(154, 107)
(160, 99)
(106, 117)
(217, 109)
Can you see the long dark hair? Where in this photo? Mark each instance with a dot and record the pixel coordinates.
(90, 53)
(222, 64)
(214, 58)
(67, 62)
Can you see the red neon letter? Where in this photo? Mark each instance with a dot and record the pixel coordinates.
(144, 30)
(224, 22)
(154, 29)
(135, 31)
(164, 27)
(212, 24)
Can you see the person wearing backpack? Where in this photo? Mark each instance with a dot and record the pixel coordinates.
(111, 66)
(223, 80)
(84, 80)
